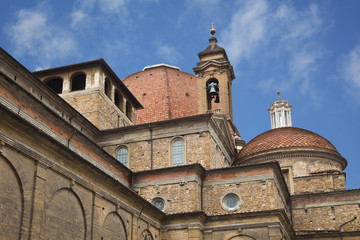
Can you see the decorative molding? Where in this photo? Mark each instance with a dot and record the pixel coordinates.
(238, 180)
(168, 181)
(291, 153)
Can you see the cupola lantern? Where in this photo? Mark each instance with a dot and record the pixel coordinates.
(280, 113)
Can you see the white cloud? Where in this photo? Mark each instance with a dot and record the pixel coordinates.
(351, 72)
(29, 28)
(32, 34)
(167, 52)
(202, 8)
(84, 10)
(246, 31)
(111, 6)
(302, 67)
(277, 35)
(113, 48)
(77, 17)
(352, 68)
(294, 25)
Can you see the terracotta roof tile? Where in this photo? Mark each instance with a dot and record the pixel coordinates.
(165, 93)
(283, 138)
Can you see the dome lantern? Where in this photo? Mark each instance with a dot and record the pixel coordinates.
(280, 113)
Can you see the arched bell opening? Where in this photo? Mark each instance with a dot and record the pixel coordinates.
(212, 93)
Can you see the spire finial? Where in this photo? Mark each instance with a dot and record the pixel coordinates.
(278, 94)
(212, 31)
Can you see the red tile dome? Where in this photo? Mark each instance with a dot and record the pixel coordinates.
(284, 138)
(165, 92)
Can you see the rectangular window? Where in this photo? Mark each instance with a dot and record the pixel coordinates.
(273, 119)
(280, 119)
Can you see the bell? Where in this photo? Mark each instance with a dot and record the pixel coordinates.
(212, 90)
(217, 98)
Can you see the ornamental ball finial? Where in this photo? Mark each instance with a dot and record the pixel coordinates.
(212, 31)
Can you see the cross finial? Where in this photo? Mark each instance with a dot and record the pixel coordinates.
(212, 31)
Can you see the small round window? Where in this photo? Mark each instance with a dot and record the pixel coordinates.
(159, 203)
(230, 201)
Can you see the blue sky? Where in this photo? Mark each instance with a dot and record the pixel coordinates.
(308, 50)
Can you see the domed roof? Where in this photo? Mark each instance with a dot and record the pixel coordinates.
(164, 91)
(284, 138)
(213, 49)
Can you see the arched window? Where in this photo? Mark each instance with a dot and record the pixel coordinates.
(107, 87)
(78, 82)
(123, 155)
(128, 110)
(55, 84)
(177, 152)
(118, 99)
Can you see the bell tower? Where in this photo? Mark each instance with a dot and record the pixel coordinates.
(214, 75)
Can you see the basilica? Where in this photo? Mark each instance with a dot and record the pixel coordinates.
(156, 155)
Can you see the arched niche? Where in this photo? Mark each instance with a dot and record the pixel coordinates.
(113, 227)
(11, 201)
(65, 217)
(107, 87)
(118, 99)
(56, 84)
(129, 110)
(146, 235)
(78, 82)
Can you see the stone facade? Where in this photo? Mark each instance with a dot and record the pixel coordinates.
(320, 183)
(327, 212)
(188, 176)
(43, 191)
(149, 146)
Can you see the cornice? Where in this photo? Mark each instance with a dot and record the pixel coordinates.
(293, 152)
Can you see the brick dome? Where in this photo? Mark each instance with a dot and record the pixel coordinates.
(165, 92)
(285, 137)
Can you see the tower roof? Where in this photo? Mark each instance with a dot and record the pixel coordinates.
(213, 49)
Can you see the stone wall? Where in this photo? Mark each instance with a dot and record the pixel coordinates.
(46, 200)
(319, 183)
(97, 108)
(254, 195)
(327, 218)
(199, 148)
(326, 211)
(259, 188)
(178, 187)
(188, 196)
